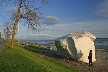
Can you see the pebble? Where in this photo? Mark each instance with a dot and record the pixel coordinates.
(98, 66)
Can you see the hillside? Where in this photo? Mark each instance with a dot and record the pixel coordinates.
(19, 59)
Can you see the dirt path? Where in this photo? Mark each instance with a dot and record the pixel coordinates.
(101, 64)
(1, 48)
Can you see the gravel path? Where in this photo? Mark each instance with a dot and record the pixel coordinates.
(1, 47)
(101, 65)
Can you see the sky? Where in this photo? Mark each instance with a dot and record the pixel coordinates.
(67, 16)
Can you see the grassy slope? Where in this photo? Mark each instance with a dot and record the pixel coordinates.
(21, 60)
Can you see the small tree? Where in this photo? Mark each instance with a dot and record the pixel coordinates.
(0, 35)
(7, 30)
(27, 10)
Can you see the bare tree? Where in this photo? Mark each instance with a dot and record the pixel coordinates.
(27, 10)
(0, 35)
(7, 30)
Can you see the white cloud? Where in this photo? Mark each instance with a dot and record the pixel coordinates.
(51, 20)
(11, 9)
(35, 37)
(102, 9)
(39, 35)
(14, 9)
(98, 28)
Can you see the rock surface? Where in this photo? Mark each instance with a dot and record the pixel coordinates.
(76, 46)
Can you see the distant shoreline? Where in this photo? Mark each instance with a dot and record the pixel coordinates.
(100, 43)
(101, 38)
(49, 39)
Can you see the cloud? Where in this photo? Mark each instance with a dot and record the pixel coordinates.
(35, 37)
(47, 29)
(14, 9)
(102, 9)
(98, 28)
(11, 9)
(51, 20)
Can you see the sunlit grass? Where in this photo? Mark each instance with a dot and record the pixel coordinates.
(36, 46)
(19, 59)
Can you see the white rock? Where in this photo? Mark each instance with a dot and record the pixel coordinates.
(76, 46)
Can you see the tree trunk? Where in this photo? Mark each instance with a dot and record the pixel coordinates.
(15, 24)
(13, 32)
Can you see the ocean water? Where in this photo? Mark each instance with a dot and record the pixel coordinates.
(97, 42)
(103, 42)
(100, 44)
(43, 42)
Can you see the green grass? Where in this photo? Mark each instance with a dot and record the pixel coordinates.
(19, 59)
(36, 47)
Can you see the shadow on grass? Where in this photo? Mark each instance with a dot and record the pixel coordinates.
(44, 51)
(7, 46)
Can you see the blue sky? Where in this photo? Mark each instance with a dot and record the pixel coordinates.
(66, 16)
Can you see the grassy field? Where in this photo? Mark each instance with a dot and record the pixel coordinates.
(19, 59)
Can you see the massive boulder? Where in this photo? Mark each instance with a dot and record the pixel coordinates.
(76, 46)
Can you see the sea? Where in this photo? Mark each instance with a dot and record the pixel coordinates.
(97, 42)
(101, 42)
